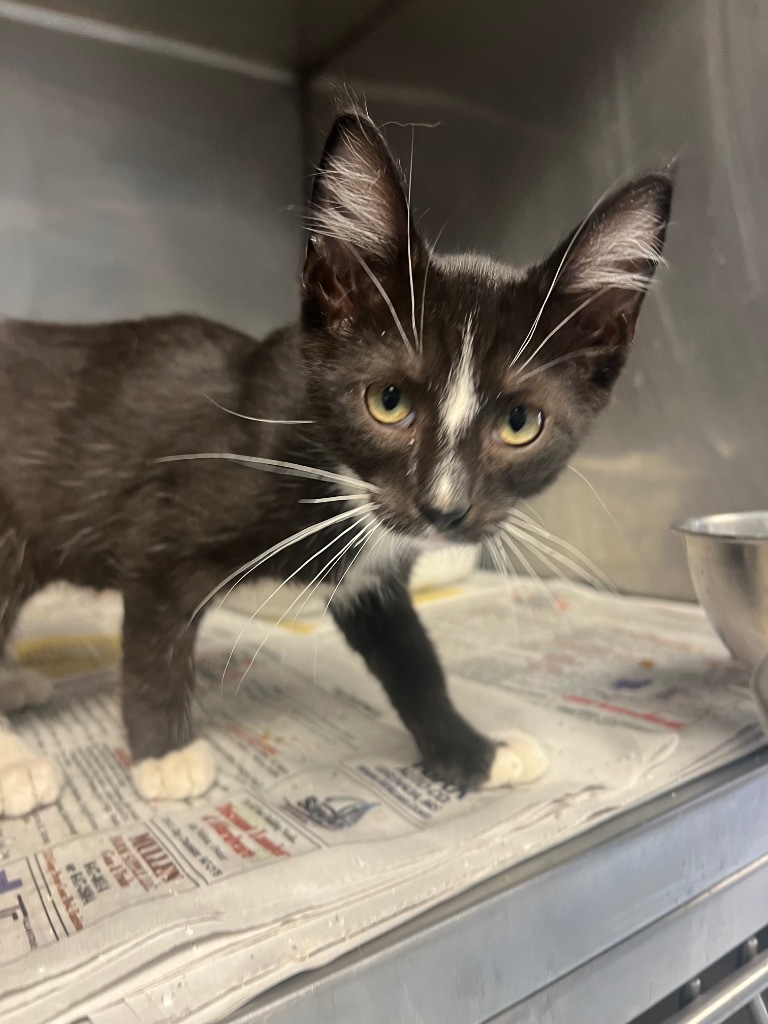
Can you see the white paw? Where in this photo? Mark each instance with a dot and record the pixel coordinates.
(20, 687)
(521, 759)
(27, 784)
(177, 776)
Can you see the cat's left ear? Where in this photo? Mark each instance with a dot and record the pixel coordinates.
(362, 245)
(606, 265)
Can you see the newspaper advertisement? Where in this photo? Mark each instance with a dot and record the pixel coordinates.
(321, 830)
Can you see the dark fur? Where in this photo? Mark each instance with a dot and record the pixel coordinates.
(86, 412)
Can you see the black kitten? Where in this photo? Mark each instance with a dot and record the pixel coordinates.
(420, 397)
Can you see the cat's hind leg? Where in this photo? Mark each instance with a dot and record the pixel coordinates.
(27, 780)
(19, 686)
(157, 682)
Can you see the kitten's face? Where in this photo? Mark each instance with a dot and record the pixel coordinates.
(453, 384)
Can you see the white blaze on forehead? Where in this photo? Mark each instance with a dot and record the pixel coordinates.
(459, 404)
(458, 408)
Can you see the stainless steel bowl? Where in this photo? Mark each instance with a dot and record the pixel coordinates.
(728, 562)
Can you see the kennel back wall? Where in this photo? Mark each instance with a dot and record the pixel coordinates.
(135, 182)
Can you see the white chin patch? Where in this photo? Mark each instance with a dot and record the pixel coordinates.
(441, 566)
(177, 776)
(521, 759)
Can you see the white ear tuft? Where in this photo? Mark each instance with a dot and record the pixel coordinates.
(362, 248)
(613, 256)
(620, 245)
(358, 197)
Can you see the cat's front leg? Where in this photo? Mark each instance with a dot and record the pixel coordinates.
(380, 623)
(157, 680)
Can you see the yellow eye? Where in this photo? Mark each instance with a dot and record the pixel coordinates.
(388, 405)
(520, 426)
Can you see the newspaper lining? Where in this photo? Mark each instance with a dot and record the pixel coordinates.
(321, 831)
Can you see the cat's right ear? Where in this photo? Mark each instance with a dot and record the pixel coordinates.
(361, 233)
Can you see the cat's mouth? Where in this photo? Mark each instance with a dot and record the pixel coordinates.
(419, 524)
(417, 530)
(434, 540)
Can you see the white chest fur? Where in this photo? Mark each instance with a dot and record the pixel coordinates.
(433, 568)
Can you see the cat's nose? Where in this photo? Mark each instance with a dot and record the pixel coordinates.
(444, 518)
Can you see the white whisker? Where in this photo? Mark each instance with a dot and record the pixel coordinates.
(376, 547)
(360, 539)
(248, 567)
(594, 350)
(430, 254)
(528, 523)
(361, 567)
(254, 419)
(316, 580)
(556, 278)
(544, 552)
(333, 497)
(541, 551)
(534, 511)
(364, 510)
(380, 288)
(371, 551)
(416, 340)
(506, 537)
(581, 476)
(562, 324)
(273, 466)
(279, 587)
(585, 568)
(412, 124)
(371, 530)
(502, 565)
